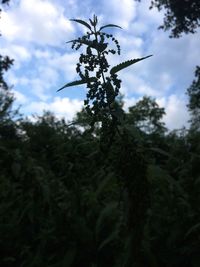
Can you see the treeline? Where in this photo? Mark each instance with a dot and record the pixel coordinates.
(69, 198)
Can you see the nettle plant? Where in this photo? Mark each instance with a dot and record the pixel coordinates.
(94, 70)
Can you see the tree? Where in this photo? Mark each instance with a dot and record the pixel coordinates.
(181, 16)
(5, 1)
(147, 115)
(194, 101)
(6, 97)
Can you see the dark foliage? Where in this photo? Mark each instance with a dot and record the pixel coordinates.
(194, 100)
(181, 16)
(64, 203)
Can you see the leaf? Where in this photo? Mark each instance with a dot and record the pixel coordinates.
(94, 44)
(106, 212)
(81, 41)
(109, 239)
(103, 184)
(82, 22)
(4, 149)
(193, 229)
(110, 25)
(159, 151)
(126, 64)
(79, 82)
(69, 257)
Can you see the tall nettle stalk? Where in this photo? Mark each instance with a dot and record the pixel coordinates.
(95, 71)
(103, 87)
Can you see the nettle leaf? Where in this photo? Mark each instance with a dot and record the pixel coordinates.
(109, 25)
(93, 44)
(79, 82)
(86, 42)
(126, 64)
(82, 22)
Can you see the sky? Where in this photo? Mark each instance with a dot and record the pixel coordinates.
(35, 32)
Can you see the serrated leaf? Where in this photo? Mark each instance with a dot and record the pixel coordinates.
(109, 25)
(126, 64)
(82, 22)
(79, 82)
(98, 46)
(86, 42)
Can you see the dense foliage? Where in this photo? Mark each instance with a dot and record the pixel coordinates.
(194, 100)
(65, 201)
(181, 16)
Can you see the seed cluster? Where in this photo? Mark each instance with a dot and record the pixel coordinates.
(103, 90)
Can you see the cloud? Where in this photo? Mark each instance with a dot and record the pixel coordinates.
(35, 32)
(175, 107)
(177, 115)
(153, 17)
(36, 21)
(176, 111)
(61, 107)
(133, 84)
(19, 53)
(173, 63)
(40, 85)
(55, 69)
(129, 102)
(65, 63)
(20, 99)
(121, 12)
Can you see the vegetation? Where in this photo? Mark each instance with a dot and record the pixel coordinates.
(194, 100)
(114, 188)
(181, 16)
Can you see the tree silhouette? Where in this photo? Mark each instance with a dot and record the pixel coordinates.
(181, 16)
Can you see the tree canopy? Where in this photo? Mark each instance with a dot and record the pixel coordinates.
(194, 100)
(181, 16)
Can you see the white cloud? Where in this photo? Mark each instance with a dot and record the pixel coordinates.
(153, 17)
(129, 102)
(39, 88)
(61, 107)
(173, 58)
(44, 54)
(133, 84)
(177, 115)
(34, 30)
(17, 81)
(65, 63)
(20, 98)
(121, 12)
(176, 111)
(36, 21)
(17, 52)
(175, 107)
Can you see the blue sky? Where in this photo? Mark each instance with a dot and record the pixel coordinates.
(34, 33)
